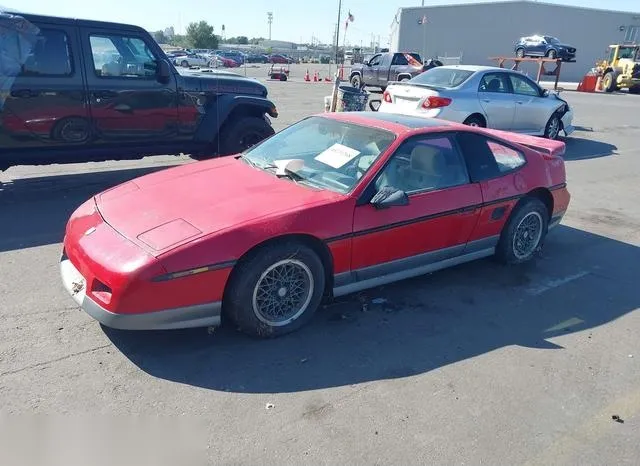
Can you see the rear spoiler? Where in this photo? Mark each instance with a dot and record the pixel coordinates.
(537, 143)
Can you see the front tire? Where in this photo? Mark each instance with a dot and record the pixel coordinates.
(520, 53)
(553, 127)
(523, 235)
(552, 54)
(239, 135)
(356, 81)
(609, 82)
(276, 291)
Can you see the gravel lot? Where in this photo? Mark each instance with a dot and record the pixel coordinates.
(479, 364)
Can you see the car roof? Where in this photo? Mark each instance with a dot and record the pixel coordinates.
(396, 123)
(473, 68)
(61, 20)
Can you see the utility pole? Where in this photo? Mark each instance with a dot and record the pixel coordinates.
(269, 20)
(338, 30)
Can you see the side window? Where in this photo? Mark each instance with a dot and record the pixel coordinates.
(122, 56)
(399, 59)
(494, 82)
(481, 163)
(424, 164)
(523, 87)
(375, 61)
(50, 56)
(507, 158)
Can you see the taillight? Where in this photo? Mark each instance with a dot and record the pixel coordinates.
(386, 97)
(435, 102)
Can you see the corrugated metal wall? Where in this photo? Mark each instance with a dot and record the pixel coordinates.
(483, 30)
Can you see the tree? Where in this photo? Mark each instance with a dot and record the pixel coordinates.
(159, 37)
(256, 40)
(200, 36)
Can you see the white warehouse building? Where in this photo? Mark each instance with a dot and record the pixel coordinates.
(471, 33)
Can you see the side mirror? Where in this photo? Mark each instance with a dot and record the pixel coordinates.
(164, 71)
(388, 196)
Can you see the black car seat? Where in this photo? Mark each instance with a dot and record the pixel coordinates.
(494, 85)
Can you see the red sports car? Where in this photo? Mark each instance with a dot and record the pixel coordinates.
(334, 204)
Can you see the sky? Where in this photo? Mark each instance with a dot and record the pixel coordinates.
(293, 20)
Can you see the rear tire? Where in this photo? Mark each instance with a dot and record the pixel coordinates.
(275, 291)
(524, 233)
(243, 133)
(475, 120)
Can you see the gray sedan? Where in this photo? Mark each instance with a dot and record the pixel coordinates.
(481, 96)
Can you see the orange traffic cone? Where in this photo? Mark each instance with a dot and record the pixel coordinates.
(315, 76)
(306, 76)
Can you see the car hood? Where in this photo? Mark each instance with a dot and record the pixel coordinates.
(166, 209)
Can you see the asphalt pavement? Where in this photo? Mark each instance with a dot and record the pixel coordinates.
(479, 364)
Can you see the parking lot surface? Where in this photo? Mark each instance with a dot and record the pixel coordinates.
(479, 364)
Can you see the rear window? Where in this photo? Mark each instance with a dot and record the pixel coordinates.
(442, 77)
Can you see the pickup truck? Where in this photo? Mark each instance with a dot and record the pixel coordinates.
(74, 90)
(382, 68)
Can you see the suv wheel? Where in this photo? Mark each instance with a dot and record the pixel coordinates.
(243, 133)
(520, 53)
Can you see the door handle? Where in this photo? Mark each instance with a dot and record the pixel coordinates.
(486, 100)
(104, 94)
(519, 102)
(23, 93)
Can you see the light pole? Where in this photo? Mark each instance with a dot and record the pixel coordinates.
(269, 20)
(338, 31)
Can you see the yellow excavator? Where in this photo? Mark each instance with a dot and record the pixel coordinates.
(621, 69)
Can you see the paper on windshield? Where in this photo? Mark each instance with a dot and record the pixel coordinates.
(337, 155)
(288, 164)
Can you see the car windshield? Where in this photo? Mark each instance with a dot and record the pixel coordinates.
(441, 77)
(321, 152)
(551, 40)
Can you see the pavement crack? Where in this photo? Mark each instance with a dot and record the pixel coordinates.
(62, 358)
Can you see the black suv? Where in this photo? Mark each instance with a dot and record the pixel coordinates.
(75, 91)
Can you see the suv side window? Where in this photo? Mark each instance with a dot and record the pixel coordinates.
(50, 56)
(122, 56)
(424, 163)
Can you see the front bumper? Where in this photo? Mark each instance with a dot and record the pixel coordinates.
(204, 315)
(567, 123)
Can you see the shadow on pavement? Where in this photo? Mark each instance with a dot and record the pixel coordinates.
(34, 211)
(584, 149)
(579, 282)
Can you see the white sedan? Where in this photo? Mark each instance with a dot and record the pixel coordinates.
(484, 96)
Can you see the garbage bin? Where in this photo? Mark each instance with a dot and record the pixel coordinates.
(351, 99)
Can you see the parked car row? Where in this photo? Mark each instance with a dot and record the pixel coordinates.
(484, 96)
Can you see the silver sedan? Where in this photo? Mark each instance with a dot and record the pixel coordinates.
(481, 96)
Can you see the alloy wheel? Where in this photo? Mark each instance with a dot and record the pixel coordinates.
(283, 292)
(526, 237)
